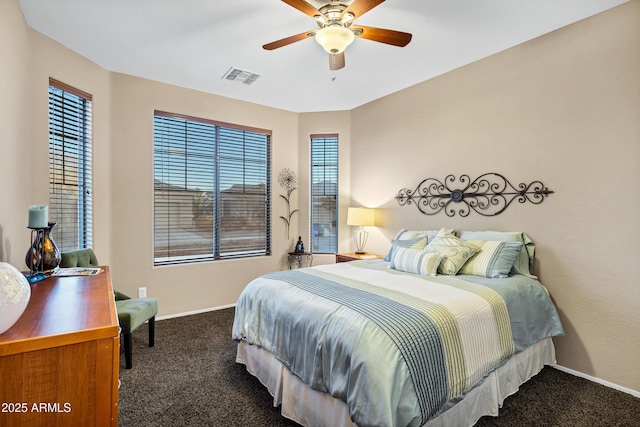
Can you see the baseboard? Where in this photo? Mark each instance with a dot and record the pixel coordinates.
(189, 313)
(598, 380)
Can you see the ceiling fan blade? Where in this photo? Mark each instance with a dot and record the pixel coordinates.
(303, 7)
(336, 61)
(392, 37)
(288, 40)
(360, 7)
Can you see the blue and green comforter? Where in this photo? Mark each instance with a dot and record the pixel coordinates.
(397, 347)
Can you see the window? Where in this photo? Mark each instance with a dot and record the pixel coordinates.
(212, 190)
(70, 199)
(324, 193)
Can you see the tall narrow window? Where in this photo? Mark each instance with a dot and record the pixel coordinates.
(70, 198)
(324, 193)
(211, 190)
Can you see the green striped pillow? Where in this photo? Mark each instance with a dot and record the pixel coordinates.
(415, 261)
(405, 234)
(524, 262)
(417, 243)
(495, 259)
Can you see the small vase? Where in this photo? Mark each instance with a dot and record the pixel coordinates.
(15, 293)
(43, 255)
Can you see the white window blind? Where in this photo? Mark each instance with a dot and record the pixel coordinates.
(211, 190)
(70, 195)
(324, 193)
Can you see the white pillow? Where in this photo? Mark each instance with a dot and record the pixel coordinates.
(494, 259)
(416, 261)
(456, 252)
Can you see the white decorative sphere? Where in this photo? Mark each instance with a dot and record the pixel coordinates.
(15, 292)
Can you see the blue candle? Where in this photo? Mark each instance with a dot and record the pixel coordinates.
(38, 216)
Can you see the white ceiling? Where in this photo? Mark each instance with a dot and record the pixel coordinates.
(193, 43)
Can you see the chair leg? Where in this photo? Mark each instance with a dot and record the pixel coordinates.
(152, 331)
(127, 350)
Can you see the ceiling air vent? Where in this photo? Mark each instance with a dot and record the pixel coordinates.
(240, 76)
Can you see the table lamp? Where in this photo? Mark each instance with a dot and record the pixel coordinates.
(360, 217)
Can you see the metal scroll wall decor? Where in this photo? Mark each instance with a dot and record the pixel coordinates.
(288, 180)
(489, 195)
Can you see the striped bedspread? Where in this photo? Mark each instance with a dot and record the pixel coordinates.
(395, 347)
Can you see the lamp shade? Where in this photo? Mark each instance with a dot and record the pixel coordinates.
(334, 38)
(362, 217)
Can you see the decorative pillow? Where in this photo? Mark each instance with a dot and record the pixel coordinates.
(416, 261)
(524, 262)
(418, 243)
(412, 234)
(456, 251)
(495, 259)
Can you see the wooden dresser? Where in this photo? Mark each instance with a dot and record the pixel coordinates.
(59, 363)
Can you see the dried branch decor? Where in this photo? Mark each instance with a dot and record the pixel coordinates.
(287, 179)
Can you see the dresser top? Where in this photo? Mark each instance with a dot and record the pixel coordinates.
(62, 311)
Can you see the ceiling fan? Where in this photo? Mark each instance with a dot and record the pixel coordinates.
(336, 31)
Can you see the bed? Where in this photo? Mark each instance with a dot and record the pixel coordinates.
(440, 332)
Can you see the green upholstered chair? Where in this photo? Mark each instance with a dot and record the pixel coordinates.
(132, 312)
(79, 258)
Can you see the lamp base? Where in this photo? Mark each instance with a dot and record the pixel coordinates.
(360, 239)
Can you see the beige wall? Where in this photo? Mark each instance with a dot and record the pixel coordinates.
(16, 189)
(123, 178)
(565, 109)
(29, 59)
(183, 288)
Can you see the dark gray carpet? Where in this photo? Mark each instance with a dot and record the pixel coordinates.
(190, 378)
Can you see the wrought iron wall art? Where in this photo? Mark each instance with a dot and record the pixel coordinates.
(489, 195)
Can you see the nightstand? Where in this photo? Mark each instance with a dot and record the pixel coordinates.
(295, 259)
(352, 256)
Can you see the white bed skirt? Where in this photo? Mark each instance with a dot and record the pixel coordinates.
(312, 408)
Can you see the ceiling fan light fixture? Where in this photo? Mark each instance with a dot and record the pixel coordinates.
(334, 38)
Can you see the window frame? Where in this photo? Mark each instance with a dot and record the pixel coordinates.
(80, 171)
(220, 164)
(335, 152)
